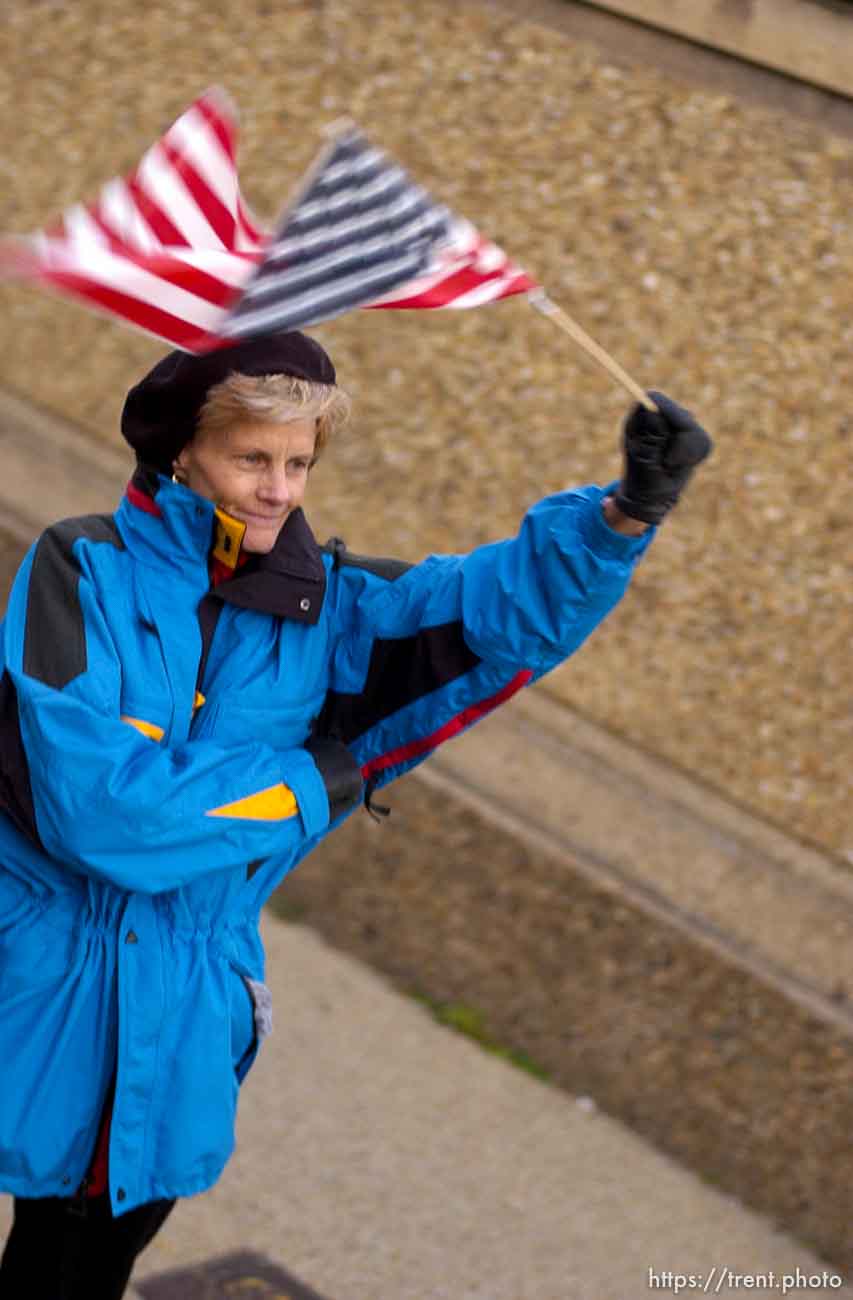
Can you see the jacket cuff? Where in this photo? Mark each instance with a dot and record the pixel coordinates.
(605, 541)
(309, 788)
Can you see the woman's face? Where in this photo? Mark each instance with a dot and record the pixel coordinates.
(256, 472)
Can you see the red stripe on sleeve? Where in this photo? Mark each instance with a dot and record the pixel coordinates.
(452, 728)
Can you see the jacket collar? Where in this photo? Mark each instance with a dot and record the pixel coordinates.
(167, 523)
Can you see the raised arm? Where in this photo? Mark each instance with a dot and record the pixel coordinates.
(436, 647)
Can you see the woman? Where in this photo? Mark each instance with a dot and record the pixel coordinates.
(193, 692)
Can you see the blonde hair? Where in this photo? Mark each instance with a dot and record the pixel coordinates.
(275, 399)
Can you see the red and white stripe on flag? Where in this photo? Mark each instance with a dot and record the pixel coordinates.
(468, 272)
(171, 248)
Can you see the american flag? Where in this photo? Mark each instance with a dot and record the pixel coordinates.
(173, 249)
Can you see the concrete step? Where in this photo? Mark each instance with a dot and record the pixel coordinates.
(753, 895)
(808, 39)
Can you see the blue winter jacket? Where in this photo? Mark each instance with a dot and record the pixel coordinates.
(154, 789)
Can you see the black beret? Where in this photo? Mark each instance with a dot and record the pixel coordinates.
(160, 412)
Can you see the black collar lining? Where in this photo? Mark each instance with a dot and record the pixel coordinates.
(289, 581)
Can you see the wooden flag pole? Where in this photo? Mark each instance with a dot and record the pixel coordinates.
(539, 299)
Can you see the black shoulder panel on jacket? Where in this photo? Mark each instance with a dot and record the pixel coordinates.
(381, 567)
(55, 634)
(16, 794)
(401, 670)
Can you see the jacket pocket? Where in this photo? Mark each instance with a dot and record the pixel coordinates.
(149, 719)
(244, 1036)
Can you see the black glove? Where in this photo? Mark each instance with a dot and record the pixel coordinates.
(340, 772)
(662, 449)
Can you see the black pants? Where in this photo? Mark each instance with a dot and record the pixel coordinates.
(61, 1249)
